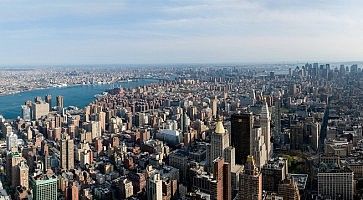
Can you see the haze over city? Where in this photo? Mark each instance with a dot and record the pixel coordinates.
(170, 31)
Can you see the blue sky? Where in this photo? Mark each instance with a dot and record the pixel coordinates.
(177, 31)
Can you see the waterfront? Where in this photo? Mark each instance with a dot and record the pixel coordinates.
(79, 95)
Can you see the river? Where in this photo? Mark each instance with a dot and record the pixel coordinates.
(79, 95)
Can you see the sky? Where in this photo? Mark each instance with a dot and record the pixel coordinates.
(179, 31)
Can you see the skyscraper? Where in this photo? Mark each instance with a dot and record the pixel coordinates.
(44, 187)
(250, 182)
(273, 173)
(39, 109)
(60, 102)
(11, 141)
(154, 188)
(23, 171)
(257, 146)
(25, 112)
(12, 172)
(241, 130)
(214, 107)
(219, 142)
(48, 99)
(67, 153)
(265, 120)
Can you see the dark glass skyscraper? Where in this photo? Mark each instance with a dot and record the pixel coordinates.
(241, 127)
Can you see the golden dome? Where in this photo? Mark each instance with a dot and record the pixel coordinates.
(220, 128)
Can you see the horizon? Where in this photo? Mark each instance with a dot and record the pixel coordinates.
(162, 32)
(224, 64)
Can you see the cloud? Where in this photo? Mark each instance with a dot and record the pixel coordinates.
(144, 31)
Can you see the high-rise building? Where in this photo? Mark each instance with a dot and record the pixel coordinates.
(257, 146)
(265, 120)
(66, 153)
(288, 190)
(214, 104)
(11, 141)
(23, 171)
(12, 172)
(217, 184)
(154, 187)
(273, 173)
(60, 102)
(72, 191)
(296, 136)
(26, 113)
(102, 121)
(219, 142)
(127, 190)
(44, 187)
(39, 109)
(250, 182)
(241, 131)
(48, 99)
(336, 183)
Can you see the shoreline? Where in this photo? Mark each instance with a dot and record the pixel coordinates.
(66, 86)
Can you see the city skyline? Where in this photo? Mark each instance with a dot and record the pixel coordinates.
(143, 32)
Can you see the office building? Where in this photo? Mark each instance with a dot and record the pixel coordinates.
(44, 187)
(265, 120)
(257, 147)
(219, 142)
(336, 183)
(241, 131)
